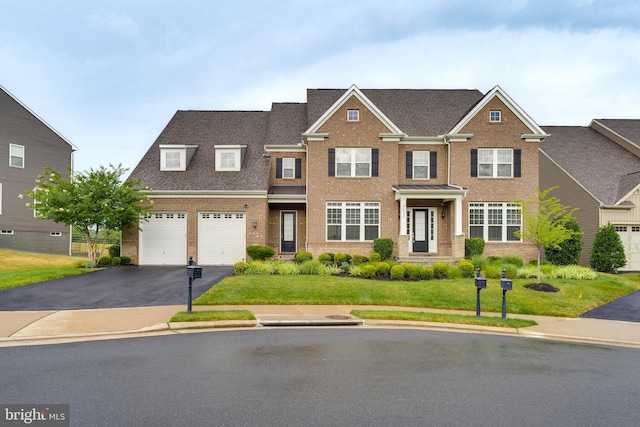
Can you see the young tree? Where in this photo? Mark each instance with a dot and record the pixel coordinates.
(570, 250)
(89, 201)
(607, 254)
(545, 221)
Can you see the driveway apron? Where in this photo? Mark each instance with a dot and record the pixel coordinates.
(626, 308)
(130, 286)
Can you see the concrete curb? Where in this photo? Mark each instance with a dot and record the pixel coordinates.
(177, 326)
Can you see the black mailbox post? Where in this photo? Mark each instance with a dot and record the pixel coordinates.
(194, 272)
(481, 283)
(506, 285)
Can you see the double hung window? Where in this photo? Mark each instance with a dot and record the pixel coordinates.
(16, 156)
(353, 221)
(495, 162)
(495, 222)
(353, 162)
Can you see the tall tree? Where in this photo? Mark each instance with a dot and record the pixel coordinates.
(89, 201)
(545, 222)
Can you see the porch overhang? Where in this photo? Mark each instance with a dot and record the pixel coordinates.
(287, 194)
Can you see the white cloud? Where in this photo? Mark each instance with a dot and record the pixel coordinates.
(115, 23)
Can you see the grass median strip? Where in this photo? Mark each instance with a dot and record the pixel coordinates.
(212, 316)
(421, 316)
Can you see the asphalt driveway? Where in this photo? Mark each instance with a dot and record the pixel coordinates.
(626, 308)
(130, 286)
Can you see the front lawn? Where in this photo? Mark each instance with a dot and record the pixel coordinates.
(575, 296)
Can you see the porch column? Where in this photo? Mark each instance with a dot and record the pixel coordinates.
(457, 228)
(403, 216)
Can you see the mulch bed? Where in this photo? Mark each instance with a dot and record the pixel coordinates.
(542, 287)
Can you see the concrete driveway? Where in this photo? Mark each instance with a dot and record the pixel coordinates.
(130, 286)
(626, 308)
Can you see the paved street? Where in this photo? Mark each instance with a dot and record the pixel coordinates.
(130, 286)
(318, 377)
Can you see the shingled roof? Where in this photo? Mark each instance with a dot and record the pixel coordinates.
(604, 168)
(627, 128)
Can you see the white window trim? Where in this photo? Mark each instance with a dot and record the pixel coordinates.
(353, 162)
(493, 114)
(343, 207)
(353, 115)
(163, 161)
(7, 232)
(235, 150)
(414, 164)
(504, 207)
(495, 163)
(11, 155)
(288, 164)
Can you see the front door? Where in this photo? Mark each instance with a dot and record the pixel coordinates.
(288, 231)
(420, 235)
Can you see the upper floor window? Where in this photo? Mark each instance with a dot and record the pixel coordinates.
(288, 167)
(172, 160)
(353, 162)
(228, 158)
(16, 156)
(353, 115)
(495, 116)
(495, 162)
(420, 164)
(495, 222)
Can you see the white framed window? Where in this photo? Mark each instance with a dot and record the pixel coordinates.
(353, 115)
(353, 162)
(420, 165)
(16, 156)
(495, 162)
(289, 167)
(495, 116)
(172, 160)
(353, 221)
(6, 231)
(227, 159)
(495, 222)
(55, 234)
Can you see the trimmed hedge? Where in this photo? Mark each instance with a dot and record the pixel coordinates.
(260, 253)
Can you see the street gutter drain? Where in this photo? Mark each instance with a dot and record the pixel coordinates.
(338, 317)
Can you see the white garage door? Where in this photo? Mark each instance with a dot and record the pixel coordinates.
(222, 238)
(163, 239)
(630, 236)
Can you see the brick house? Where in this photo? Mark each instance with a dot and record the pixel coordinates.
(27, 145)
(426, 168)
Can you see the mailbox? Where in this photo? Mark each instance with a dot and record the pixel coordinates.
(505, 284)
(481, 282)
(194, 272)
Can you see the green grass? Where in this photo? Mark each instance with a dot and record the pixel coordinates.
(574, 298)
(23, 268)
(421, 316)
(212, 315)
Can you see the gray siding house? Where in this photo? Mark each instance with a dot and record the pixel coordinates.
(597, 169)
(27, 145)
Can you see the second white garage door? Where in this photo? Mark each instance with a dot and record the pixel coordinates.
(221, 238)
(630, 236)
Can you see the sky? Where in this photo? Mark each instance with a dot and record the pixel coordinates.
(109, 75)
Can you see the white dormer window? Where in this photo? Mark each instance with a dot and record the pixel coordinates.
(176, 157)
(495, 116)
(229, 157)
(353, 115)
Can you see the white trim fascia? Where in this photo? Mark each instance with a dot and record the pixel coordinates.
(510, 103)
(618, 207)
(284, 198)
(207, 194)
(230, 147)
(318, 137)
(424, 140)
(534, 137)
(392, 137)
(458, 137)
(354, 91)
(572, 178)
(73, 147)
(177, 146)
(430, 194)
(298, 148)
(626, 196)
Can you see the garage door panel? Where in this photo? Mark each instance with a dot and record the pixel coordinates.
(221, 238)
(630, 237)
(163, 239)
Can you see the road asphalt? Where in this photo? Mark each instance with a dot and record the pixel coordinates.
(102, 305)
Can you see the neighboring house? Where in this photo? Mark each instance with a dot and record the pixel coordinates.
(597, 169)
(426, 168)
(27, 145)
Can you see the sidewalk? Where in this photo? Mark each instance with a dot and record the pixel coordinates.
(46, 327)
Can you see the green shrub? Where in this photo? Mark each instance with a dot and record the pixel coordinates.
(383, 268)
(607, 254)
(313, 268)
(116, 260)
(339, 259)
(574, 272)
(260, 253)
(467, 270)
(125, 260)
(512, 259)
(494, 259)
(287, 268)
(331, 270)
(440, 270)
(409, 271)
(261, 267)
(473, 246)
(359, 259)
(426, 273)
(479, 262)
(492, 271)
(240, 267)
(114, 251)
(512, 270)
(355, 271)
(301, 257)
(383, 246)
(569, 251)
(104, 260)
(326, 258)
(375, 257)
(369, 271)
(397, 272)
